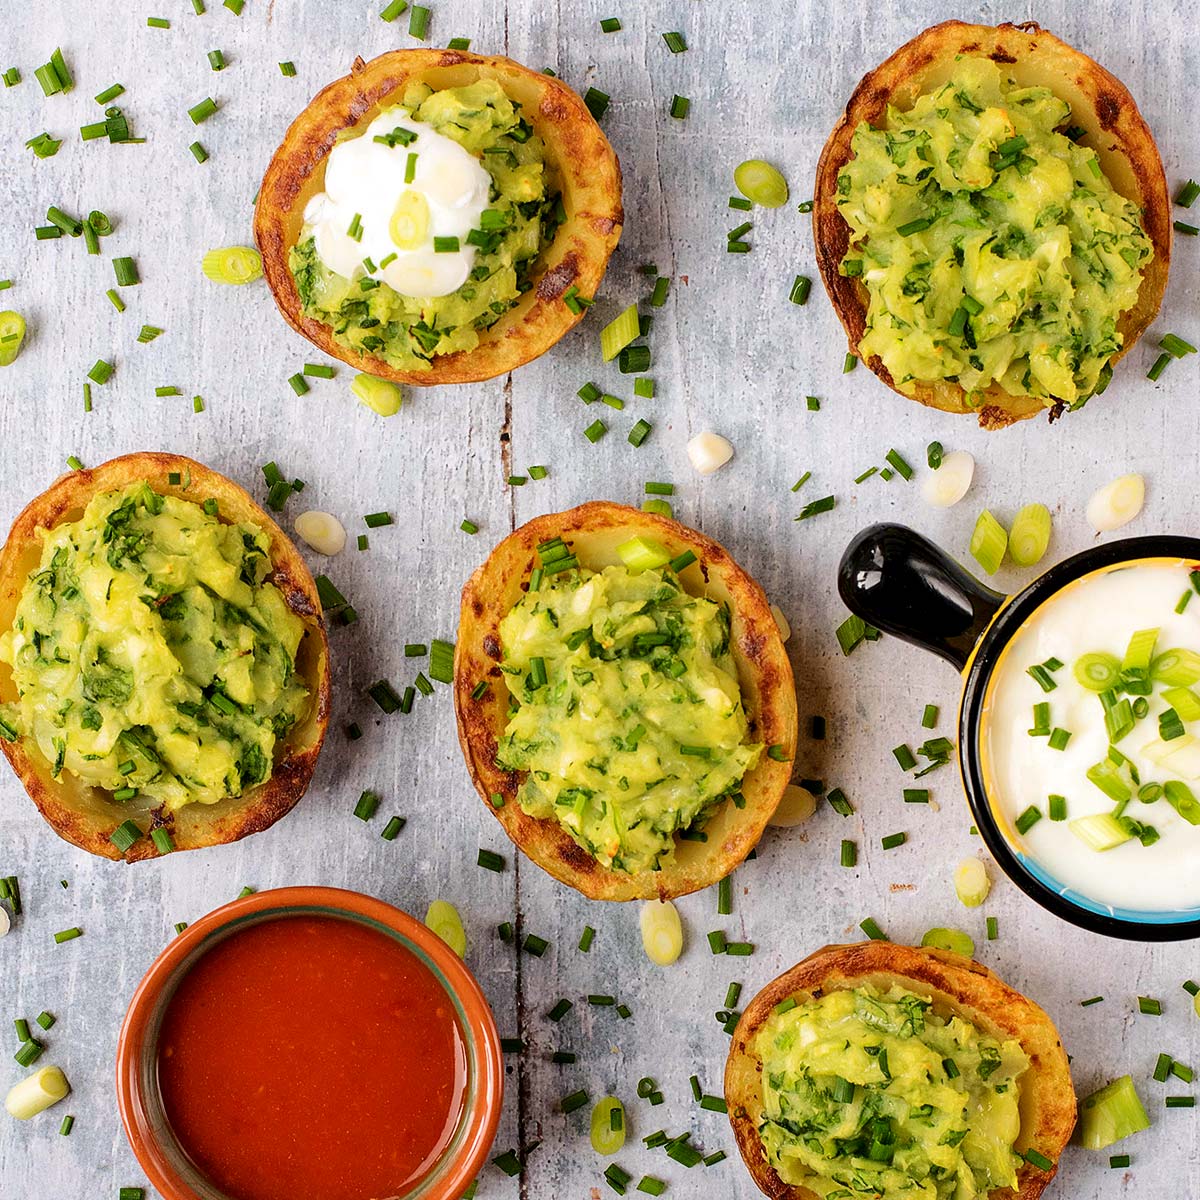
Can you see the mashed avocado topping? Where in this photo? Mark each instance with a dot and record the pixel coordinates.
(870, 1094)
(523, 213)
(151, 655)
(626, 711)
(993, 248)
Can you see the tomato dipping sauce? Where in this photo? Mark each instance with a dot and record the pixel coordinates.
(311, 1058)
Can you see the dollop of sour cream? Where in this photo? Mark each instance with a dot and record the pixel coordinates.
(1097, 613)
(421, 186)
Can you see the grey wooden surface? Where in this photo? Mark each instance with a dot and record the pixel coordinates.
(731, 354)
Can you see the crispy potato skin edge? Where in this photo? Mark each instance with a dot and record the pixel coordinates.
(83, 815)
(765, 674)
(1100, 103)
(956, 985)
(588, 172)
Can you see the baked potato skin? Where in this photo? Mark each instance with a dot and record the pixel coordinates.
(84, 815)
(1100, 104)
(595, 530)
(955, 984)
(587, 173)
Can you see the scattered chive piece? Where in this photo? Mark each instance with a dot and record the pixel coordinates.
(394, 9)
(163, 842)
(126, 272)
(1037, 1159)
(1186, 229)
(595, 431)
(102, 372)
(849, 363)
(30, 1051)
(675, 42)
(377, 520)
(418, 22)
(1028, 819)
(849, 856)
(801, 286)
(899, 465)
(65, 1128)
(21, 1026)
(1181, 1102)
(610, 24)
(203, 110)
(148, 332)
(1186, 196)
(893, 840)
(68, 935)
(1159, 366)
(586, 939)
(287, 68)
(596, 102)
(679, 108)
(872, 930)
(1058, 808)
(46, 1020)
(198, 152)
(993, 929)
(905, 757)
(490, 860)
(392, 828)
(1118, 1160)
(725, 897)
(508, 1162)
(534, 945)
(368, 802)
(1089, 1003)
(816, 507)
(235, 6)
(1149, 1007)
(216, 60)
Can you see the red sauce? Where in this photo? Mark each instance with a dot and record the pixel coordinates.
(311, 1057)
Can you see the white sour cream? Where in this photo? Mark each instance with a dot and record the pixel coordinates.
(1097, 613)
(445, 196)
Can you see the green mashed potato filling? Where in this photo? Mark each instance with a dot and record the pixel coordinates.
(626, 711)
(150, 653)
(873, 1094)
(992, 246)
(524, 213)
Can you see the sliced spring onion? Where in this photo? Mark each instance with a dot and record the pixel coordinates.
(233, 265)
(761, 183)
(442, 917)
(608, 1126)
(795, 806)
(1106, 775)
(1110, 1114)
(36, 1092)
(1176, 668)
(662, 932)
(1098, 672)
(1099, 831)
(1180, 797)
(1184, 701)
(971, 883)
(619, 332)
(988, 541)
(12, 334)
(643, 554)
(1140, 653)
(1030, 535)
(953, 940)
(379, 395)
(1117, 503)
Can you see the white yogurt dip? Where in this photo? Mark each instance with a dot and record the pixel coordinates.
(398, 198)
(1098, 613)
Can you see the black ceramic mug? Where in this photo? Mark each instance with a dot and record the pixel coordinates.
(903, 584)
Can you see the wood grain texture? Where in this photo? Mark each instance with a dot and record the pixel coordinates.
(730, 354)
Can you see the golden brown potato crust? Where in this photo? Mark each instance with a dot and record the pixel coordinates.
(594, 531)
(86, 815)
(956, 986)
(585, 170)
(1100, 104)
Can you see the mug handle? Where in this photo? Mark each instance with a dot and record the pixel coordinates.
(900, 582)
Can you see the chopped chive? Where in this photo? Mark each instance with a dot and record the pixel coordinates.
(872, 930)
(534, 945)
(202, 111)
(725, 897)
(31, 1050)
(287, 69)
(508, 1162)
(1118, 1160)
(680, 106)
(368, 802)
(163, 842)
(394, 9)
(1028, 819)
(392, 828)
(102, 372)
(610, 24)
(993, 929)
(1037, 1159)
(586, 939)
(893, 840)
(839, 803)
(1058, 808)
(1186, 196)
(126, 272)
(801, 286)
(67, 1125)
(675, 42)
(377, 520)
(596, 102)
(816, 507)
(46, 1020)
(1180, 1102)
(469, 526)
(849, 856)
(418, 22)
(899, 465)
(490, 860)
(1160, 365)
(595, 431)
(69, 935)
(739, 949)
(1149, 1007)
(198, 152)
(216, 60)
